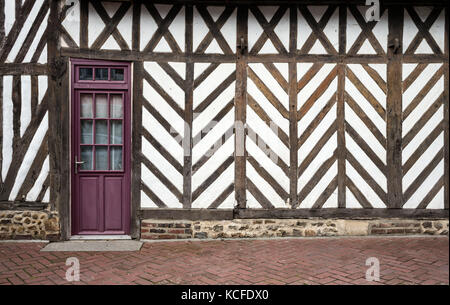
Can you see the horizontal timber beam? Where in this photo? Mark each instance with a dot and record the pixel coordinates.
(23, 69)
(22, 205)
(228, 214)
(186, 214)
(285, 2)
(182, 57)
(342, 213)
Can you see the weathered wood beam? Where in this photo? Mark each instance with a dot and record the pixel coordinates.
(341, 213)
(240, 101)
(394, 110)
(59, 123)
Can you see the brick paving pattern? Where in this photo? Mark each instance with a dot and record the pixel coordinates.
(403, 260)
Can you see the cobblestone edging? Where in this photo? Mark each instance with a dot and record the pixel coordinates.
(251, 228)
(29, 225)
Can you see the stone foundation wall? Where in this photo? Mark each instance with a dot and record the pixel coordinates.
(29, 225)
(253, 228)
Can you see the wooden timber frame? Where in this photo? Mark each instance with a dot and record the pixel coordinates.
(59, 95)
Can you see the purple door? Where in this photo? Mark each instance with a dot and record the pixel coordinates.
(101, 163)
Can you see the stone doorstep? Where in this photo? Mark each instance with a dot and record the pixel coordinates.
(91, 245)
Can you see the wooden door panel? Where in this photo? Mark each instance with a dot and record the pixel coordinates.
(113, 203)
(88, 190)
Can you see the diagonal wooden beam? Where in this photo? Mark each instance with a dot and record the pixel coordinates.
(163, 28)
(423, 33)
(366, 148)
(267, 93)
(111, 25)
(268, 28)
(366, 33)
(317, 29)
(214, 29)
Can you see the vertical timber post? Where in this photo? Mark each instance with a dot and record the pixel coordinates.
(446, 114)
(188, 111)
(136, 143)
(293, 125)
(240, 101)
(394, 109)
(59, 126)
(341, 149)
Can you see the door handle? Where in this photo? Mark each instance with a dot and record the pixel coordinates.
(77, 163)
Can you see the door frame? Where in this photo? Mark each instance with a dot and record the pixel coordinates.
(128, 116)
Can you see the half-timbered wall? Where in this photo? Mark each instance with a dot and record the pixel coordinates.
(24, 158)
(337, 112)
(294, 106)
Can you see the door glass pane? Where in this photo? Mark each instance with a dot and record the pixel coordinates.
(86, 132)
(86, 156)
(101, 132)
(86, 105)
(101, 106)
(85, 73)
(116, 74)
(116, 132)
(101, 158)
(116, 106)
(101, 73)
(116, 158)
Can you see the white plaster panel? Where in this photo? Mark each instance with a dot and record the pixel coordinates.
(265, 162)
(308, 118)
(424, 189)
(203, 120)
(264, 187)
(350, 200)
(315, 193)
(177, 28)
(271, 83)
(96, 25)
(267, 135)
(146, 202)
(147, 27)
(36, 39)
(312, 85)
(162, 164)
(25, 112)
(153, 183)
(29, 157)
(213, 136)
(36, 189)
(24, 30)
(162, 136)
(166, 82)
(353, 119)
(212, 81)
(7, 125)
(225, 151)
(423, 106)
(42, 87)
(315, 136)
(423, 161)
(324, 154)
(72, 22)
(366, 162)
(365, 105)
(10, 6)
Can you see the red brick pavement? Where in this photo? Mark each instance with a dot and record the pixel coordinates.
(403, 260)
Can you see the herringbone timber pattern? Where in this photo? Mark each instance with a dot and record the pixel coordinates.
(162, 134)
(423, 136)
(213, 136)
(267, 140)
